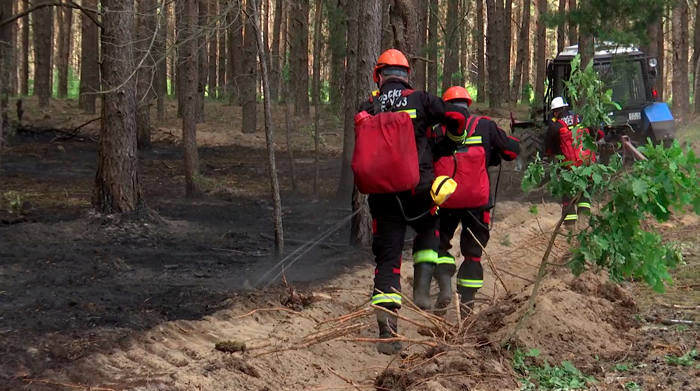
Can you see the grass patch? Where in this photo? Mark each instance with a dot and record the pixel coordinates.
(547, 377)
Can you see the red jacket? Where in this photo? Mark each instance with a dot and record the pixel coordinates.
(560, 141)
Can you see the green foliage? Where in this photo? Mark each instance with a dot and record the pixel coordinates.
(685, 360)
(14, 200)
(632, 386)
(563, 377)
(622, 367)
(585, 86)
(618, 237)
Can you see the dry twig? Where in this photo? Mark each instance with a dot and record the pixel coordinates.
(345, 379)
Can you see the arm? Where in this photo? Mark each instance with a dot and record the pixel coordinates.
(507, 147)
(437, 111)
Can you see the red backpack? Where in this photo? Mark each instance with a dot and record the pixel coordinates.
(385, 159)
(468, 168)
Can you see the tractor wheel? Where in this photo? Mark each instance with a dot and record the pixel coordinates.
(531, 142)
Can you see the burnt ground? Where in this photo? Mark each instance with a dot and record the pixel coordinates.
(72, 281)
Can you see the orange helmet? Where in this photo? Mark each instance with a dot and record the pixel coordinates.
(390, 58)
(457, 92)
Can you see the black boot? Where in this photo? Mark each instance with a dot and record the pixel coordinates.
(387, 329)
(443, 275)
(422, 276)
(467, 300)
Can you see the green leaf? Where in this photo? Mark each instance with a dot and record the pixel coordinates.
(639, 187)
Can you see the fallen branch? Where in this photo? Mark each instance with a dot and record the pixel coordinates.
(323, 336)
(267, 309)
(345, 379)
(409, 320)
(342, 319)
(681, 307)
(671, 322)
(76, 386)
(256, 254)
(491, 264)
(332, 246)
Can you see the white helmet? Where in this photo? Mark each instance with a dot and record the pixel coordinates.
(558, 103)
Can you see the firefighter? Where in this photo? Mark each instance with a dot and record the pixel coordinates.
(485, 145)
(392, 213)
(560, 141)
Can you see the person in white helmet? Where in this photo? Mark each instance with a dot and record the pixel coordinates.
(560, 141)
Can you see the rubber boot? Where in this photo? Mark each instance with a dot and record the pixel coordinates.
(443, 275)
(387, 329)
(422, 276)
(467, 300)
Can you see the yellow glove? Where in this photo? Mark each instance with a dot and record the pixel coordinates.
(443, 188)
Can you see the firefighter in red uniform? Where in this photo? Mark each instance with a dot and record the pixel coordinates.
(560, 141)
(392, 213)
(485, 145)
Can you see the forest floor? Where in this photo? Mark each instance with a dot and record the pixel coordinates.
(140, 304)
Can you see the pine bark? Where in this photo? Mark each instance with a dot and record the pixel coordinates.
(189, 71)
(523, 54)
(275, 56)
(337, 45)
(24, 68)
(696, 61)
(479, 38)
(561, 27)
(202, 58)
(250, 72)
(368, 48)
(146, 27)
(451, 62)
(117, 187)
(404, 24)
(494, 48)
(419, 71)
(43, 46)
(346, 184)
(6, 48)
(318, 34)
(433, 46)
(235, 51)
(212, 81)
(64, 39)
(506, 43)
(89, 65)
(680, 83)
(299, 20)
(161, 80)
(221, 31)
(540, 52)
(573, 33)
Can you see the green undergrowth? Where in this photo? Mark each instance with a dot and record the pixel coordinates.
(548, 377)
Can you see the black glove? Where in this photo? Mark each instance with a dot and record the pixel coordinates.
(445, 147)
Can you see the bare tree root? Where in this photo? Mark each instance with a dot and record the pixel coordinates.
(345, 379)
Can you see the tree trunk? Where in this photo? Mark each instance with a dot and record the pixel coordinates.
(117, 187)
(696, 58)
(64, 40)
(451, 62)
(250, 72)
(480, 53)
(680, 59)
(6, 50)
(493, 48)
(146, 27)
(213, 45)
(235, 51)
(43, 28)
(275, 58)
(404, 23)
(561, 28)
(573, 34)
(504, 66)
(285, 67)
(188, 90)
(221, 88)
(300, 56)
(523, 51)
(317, 95)
(161, 82)
(89, 65)
(337, 45)
(418, 74)
(345, 187)
(269, 137)
(202, 58)
(433, 46)
(288, 133)
(387, 28)
(540, 56)
(661, 45)
(24, 69)
(464, 9)
(368, 48)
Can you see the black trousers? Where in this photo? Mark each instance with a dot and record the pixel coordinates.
(471, 273)
(389, 224)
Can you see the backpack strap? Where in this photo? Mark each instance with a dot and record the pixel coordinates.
(472, 122)
(377, 106)
(407, 92)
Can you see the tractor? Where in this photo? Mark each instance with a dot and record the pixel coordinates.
(630, 74)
